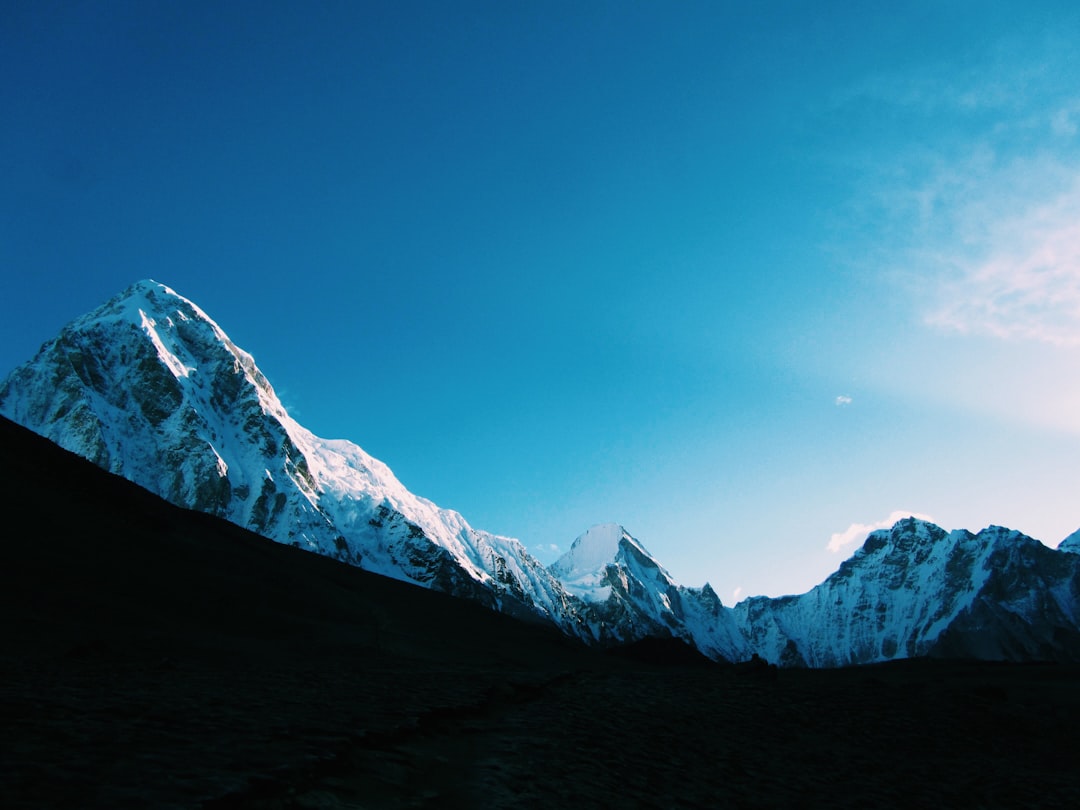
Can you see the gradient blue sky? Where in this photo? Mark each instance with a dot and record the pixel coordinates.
(747, 278)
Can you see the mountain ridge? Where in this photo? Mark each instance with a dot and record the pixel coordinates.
(148, 386)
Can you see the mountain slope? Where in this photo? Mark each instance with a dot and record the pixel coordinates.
(916, 590)
(120, 569)
(149, 387)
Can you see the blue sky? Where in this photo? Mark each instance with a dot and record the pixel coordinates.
(748, 278)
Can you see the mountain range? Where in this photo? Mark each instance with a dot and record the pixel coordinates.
(160, 657)
(150, 388)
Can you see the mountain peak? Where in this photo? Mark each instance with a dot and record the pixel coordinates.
(146, 285)
(591, 551)
(904, 535)
(143, 292)
(148, 386)
(586, 569)
(156, 299)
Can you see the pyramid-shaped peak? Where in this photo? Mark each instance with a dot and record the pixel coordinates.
(157, 298)
(149, 291)
(148, 285)
(144, 304)
(591, 551)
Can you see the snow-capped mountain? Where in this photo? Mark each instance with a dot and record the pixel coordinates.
(149, 387)
(632, 596)
(916, 590)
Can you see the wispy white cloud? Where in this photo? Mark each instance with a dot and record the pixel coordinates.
(735, 594)
(981, 216)
(968, 216)
(858, 531)
(1024, 282)
(842, 401)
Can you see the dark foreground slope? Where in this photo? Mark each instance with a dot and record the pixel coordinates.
(154, 657)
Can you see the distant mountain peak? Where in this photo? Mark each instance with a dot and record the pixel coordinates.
(583, 569)
(591, 551)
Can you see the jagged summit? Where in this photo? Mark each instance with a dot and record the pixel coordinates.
(583, 569)
(149, 387)
(593, 551)
(633, 594)
(909, 590)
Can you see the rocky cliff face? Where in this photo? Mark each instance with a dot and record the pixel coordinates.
(150, 388)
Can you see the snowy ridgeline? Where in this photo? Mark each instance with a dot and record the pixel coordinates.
(149, 387)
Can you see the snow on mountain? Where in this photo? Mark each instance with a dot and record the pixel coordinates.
(1071, 543)
(910, 591)
(583, 569)
(149, 387)
(632, 596)
(1028, 607)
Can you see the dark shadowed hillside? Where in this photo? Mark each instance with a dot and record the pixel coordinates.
(155, 657)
